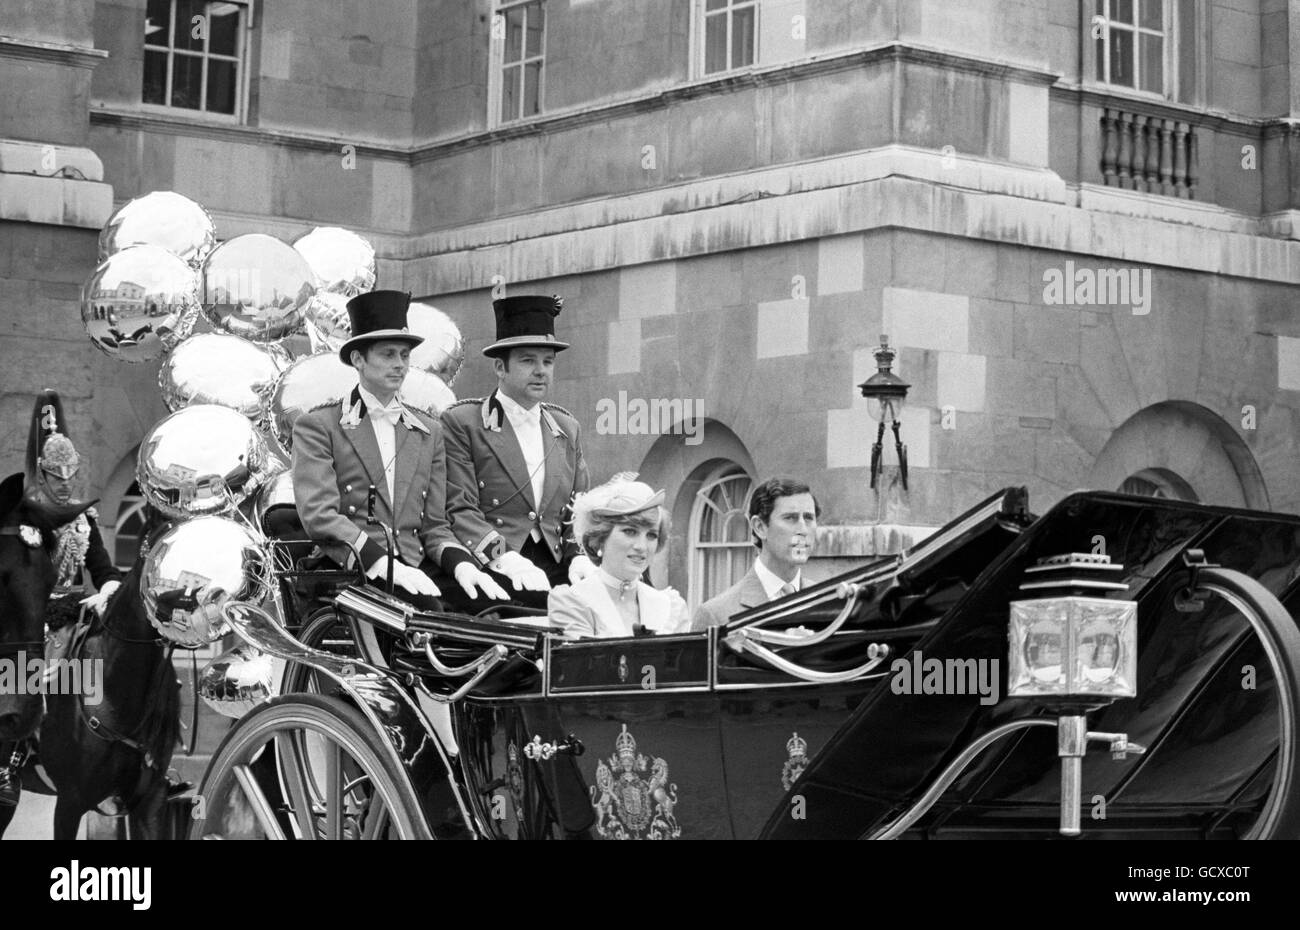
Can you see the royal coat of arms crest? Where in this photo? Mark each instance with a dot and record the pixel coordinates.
(797, 760)
(628, 805)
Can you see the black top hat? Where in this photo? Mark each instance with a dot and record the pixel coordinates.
(378, 315)
(526, 321)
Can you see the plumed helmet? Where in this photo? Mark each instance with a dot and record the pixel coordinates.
(48, 447)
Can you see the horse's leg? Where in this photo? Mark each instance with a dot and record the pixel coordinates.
(67, 816)
(147, 815)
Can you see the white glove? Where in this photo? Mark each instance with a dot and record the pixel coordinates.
(523, 574)
(471, 579)
(580, 568)
(412, 579)
(98, 601)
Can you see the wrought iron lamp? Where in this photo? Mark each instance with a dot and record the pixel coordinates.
(885, 392)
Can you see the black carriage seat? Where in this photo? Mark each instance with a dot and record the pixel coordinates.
(308, 579)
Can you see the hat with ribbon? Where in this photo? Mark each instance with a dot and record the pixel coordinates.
(375, 316)
(49, 449)
(620, 496)
(526, 321)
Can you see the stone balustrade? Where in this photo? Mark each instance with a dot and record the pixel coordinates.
(1152, 154)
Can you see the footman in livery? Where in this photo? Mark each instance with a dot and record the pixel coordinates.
(514, 462)
(373, 440)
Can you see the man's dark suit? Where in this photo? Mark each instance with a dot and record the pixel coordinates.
(746, 593)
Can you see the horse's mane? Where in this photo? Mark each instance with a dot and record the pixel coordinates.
(159, 727)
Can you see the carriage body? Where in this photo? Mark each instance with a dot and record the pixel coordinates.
(791, 721)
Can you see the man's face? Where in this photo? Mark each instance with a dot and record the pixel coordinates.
(527, 379)
(58, 489)
(789, 533)
(382, 367)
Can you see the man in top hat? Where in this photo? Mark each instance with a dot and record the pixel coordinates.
(374, 440)
(783, 517)
(52, 467)
(514, 462)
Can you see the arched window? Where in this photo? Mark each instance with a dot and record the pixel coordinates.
(1158, 482)
(721, 549)
(128, 527)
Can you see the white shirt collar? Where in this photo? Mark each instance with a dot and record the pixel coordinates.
(771, 583)
(517, 411)
(372, 402)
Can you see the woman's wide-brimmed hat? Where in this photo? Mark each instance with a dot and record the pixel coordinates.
(620, 496)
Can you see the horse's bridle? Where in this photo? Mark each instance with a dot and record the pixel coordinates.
(21, 645)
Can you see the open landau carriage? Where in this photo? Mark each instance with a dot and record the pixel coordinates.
(1004, 678)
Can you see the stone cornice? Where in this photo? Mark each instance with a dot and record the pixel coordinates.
(244, 135)
(74, 56)
(765, 76)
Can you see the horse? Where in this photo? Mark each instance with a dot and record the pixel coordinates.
(122, 747)
(27, 576)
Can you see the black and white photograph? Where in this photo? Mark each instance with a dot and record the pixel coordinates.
(651, 420)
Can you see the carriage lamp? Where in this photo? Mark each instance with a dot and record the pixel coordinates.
(885, 392)
(1073, 649)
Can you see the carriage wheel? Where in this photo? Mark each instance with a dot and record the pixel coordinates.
(324, 630)
(338, 783)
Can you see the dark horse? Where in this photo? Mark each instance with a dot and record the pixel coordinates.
(120, 748)
(27, 576)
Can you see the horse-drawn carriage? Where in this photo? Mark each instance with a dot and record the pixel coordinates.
(910, 697)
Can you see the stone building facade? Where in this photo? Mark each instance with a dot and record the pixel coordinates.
(1076, 219)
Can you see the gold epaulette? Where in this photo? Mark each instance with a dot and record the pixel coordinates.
(559, 408)
(467, 400)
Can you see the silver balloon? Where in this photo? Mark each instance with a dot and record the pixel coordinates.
(256, 287)
(203, 459)
(236, 681)
(139, 303)
(327, 317)
(162, 218)
(308, 383)
(195, 568)
(443, 349)
(215, 368)
(344, 262)
(426, 392)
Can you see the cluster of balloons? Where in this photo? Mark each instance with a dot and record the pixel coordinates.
(219, 317)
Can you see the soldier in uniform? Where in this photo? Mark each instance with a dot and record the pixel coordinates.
(52, 466)
(373, 440)
(514, 462)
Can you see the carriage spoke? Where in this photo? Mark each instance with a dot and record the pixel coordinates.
(257, 800)
(291, 771)
(334, 797)
(377, 821)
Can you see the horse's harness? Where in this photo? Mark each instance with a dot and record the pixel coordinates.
(93, 723)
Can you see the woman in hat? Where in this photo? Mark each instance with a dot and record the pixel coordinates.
(621, 525)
